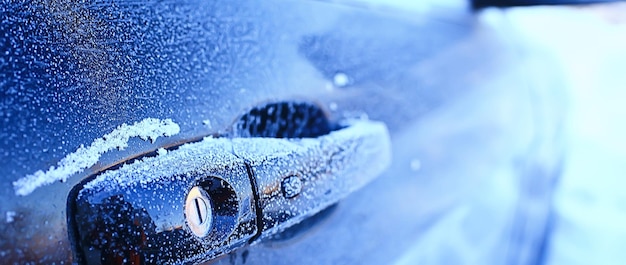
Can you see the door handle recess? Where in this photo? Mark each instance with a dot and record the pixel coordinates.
(208, 198)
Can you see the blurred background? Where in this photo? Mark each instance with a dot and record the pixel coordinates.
(589, 45)
(586, 46)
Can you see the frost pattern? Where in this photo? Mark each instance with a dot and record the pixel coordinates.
(205, 155)
(85, 157)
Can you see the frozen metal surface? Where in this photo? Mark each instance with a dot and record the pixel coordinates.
(71, 72)
(136, 211)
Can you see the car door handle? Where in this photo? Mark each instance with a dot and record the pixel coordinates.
(208, 198)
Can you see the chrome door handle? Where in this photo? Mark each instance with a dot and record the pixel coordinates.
(210, 197)
(297, 178)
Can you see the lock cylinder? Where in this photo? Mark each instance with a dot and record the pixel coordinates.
(198, 211)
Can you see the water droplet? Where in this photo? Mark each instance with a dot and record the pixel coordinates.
(341, 80)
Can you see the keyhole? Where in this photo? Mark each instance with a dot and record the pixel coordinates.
(201, 209)
(198, 212)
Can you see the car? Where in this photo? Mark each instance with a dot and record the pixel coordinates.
(274, 132)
